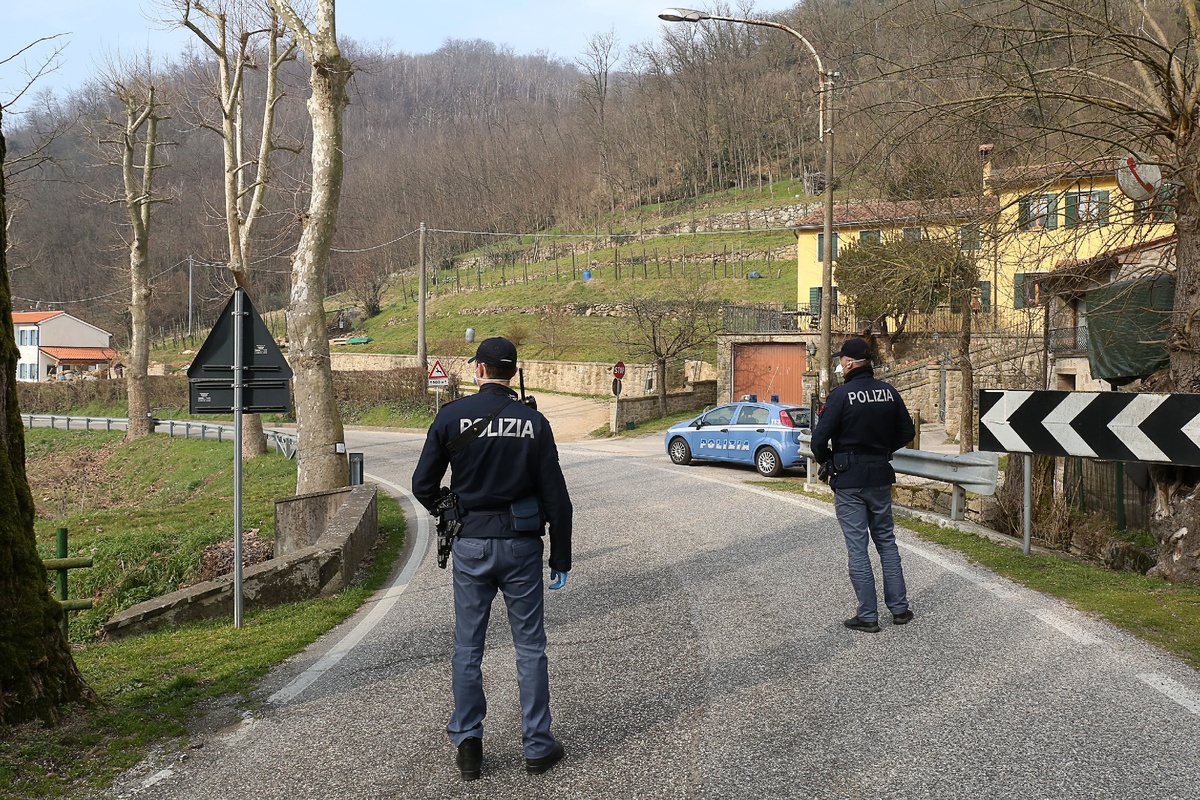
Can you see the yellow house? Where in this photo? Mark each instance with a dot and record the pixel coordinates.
(1028, 221)
(957, 218)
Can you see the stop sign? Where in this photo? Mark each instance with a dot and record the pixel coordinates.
(619, 370)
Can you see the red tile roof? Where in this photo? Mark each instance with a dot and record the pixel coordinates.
(26, 317)
(1041, 174)
(1068, 264)
(80, 355)
(920, 212)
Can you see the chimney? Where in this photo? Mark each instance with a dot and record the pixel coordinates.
(985, 159)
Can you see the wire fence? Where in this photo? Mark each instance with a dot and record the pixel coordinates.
(1121, 491)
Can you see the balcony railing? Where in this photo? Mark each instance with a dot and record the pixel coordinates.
(1068, 341)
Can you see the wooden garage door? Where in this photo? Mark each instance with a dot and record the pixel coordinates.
(770, 369)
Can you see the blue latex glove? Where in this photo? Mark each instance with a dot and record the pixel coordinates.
(557, 579)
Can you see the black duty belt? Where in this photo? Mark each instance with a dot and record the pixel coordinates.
(866, 458)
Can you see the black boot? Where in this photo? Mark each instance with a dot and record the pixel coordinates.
(470, 758)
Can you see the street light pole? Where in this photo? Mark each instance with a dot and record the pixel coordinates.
(826, 136)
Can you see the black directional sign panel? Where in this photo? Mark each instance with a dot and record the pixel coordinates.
(261, 357)
(1114, 426)
(265, 373)
(258, 397)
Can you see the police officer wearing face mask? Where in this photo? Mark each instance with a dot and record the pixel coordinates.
(863, 423)
(509, 485)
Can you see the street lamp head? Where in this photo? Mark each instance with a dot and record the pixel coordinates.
(682, 15)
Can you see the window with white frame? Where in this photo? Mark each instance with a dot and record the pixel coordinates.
(870, 236)
(914, 234)
(1038, 212)
(1086, 208)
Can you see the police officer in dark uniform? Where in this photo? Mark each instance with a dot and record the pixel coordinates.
(509, 485)
(863, 423)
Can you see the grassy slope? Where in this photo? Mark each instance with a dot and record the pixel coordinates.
(578, 338)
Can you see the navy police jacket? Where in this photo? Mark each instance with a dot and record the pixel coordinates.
(513, 458)
(863, 417)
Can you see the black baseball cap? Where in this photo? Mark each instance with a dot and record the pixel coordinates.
(857, 349)
(497, 351)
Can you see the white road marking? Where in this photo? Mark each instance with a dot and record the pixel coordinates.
(1063, 626)
(1172, 689)
(981, 580)
(783, 498)
(156, 778)
(985, 582)
(382, 606)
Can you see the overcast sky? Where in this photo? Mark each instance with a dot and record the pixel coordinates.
(94, 29)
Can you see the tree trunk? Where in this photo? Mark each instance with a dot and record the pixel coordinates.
(138, 203)
(38, 676)
(1176, 526)
(966, 414)
(319, 428)
(662, 387)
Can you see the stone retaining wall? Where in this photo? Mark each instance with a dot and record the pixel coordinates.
(568, 377)
(319, 569)
(641, 409)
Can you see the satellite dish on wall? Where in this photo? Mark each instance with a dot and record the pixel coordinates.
(1138, 178)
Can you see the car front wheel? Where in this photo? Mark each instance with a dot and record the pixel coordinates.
(767, 462)
(680, 452)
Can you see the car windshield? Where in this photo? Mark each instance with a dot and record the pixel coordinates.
(718, 416)
(801, 417)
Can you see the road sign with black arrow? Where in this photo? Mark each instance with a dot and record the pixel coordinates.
(1113, 426)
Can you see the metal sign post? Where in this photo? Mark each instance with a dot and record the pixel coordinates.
(240, 370)
(239, 318)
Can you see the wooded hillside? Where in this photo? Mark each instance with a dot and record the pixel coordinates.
(475, 138)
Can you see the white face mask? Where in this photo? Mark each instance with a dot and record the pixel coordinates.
(838, 370)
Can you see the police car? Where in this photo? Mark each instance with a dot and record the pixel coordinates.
(766, 435)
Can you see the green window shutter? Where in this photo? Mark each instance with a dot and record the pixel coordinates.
(985, 294)
(1019, 290)
(821, 247)
(833, 309)
(814, 299)
(1051, 211)
(1102, 207)
(1072, 214)
(1023, 214)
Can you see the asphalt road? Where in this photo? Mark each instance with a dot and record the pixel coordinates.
(698, 652)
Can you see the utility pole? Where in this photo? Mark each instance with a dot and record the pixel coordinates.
(189, 295)
(422, 354)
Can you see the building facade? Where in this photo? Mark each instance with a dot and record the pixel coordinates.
(54, 345)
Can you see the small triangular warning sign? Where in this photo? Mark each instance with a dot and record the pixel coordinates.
(437, 371)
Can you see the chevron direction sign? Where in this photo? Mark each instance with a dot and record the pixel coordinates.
(1113, 426)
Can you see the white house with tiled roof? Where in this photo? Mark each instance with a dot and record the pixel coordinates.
(53, 343)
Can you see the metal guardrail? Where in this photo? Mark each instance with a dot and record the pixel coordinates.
(283, 442)
(976, 472)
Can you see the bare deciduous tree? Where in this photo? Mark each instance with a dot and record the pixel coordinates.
(136, 148)
(667, 329)
(246, 180)
(320, 467)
